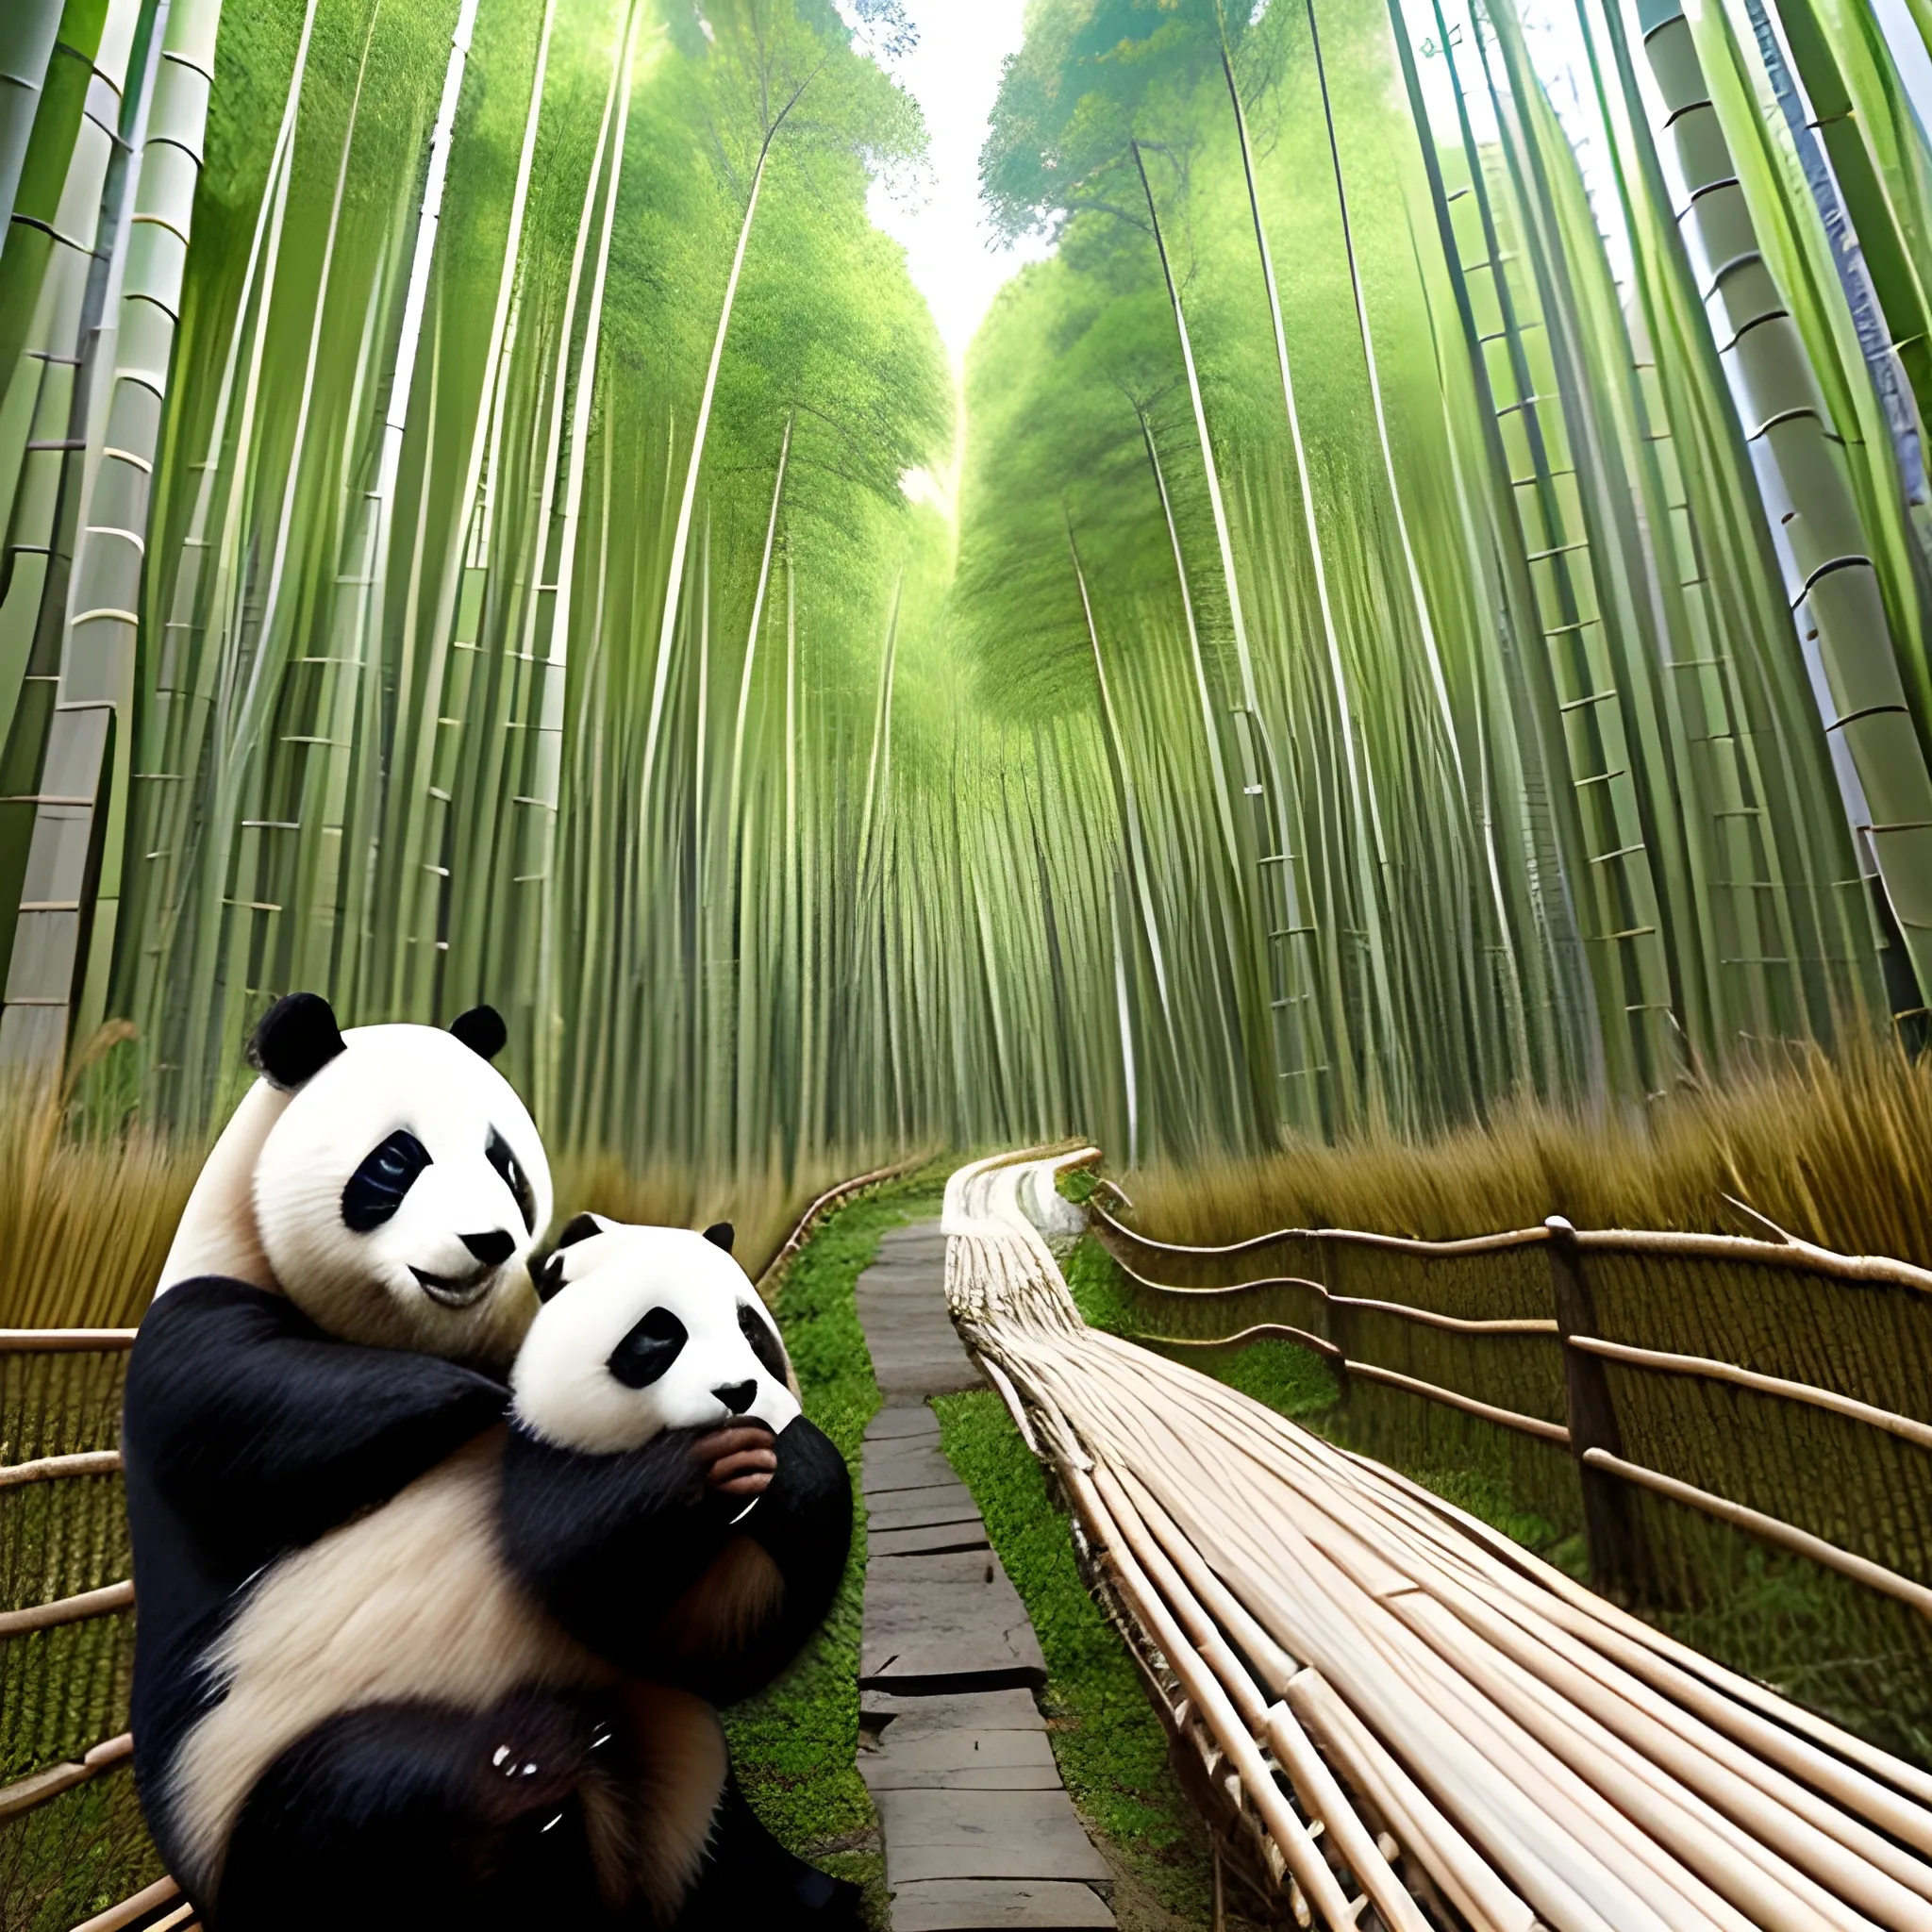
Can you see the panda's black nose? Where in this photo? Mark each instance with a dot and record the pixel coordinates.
(492, 1249)
(737, 1396)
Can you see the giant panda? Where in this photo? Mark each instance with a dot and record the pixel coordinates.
(348, 1707)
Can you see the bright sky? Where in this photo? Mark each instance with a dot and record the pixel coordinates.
(954, 74)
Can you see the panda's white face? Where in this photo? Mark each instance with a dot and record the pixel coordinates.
(400, 1194)
(651, 1328)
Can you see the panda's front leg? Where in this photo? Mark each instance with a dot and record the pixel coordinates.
(755, 1607)
(607, 1544)
(401, 1815)
(705, 1558)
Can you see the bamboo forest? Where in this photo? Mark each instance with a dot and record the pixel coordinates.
(1414, 600)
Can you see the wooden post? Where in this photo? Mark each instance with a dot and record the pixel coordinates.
(1620, 1566)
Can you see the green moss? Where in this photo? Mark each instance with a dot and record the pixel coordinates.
(1076, 1184)
(1112, 1750)
(795, 1745)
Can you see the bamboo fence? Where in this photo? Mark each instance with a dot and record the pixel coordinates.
(1718, 1372)
(1391, 1709)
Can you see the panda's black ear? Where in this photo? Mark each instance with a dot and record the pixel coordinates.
(580, 1229)
(481, 1029)
(720, 1234)
(548, 1279)
(296, 1038)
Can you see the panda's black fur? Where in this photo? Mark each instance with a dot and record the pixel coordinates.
(264, 1456)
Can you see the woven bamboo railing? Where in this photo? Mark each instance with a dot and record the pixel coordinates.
(1394, 1709)
(1874, 1314)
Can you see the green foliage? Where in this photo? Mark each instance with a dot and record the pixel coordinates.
(1110, 1745)
(1352, 692)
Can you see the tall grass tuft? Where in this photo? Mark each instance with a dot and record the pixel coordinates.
(86, 1213)
(1831, 1149)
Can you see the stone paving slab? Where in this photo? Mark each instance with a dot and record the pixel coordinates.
(968, 1759)
(934, 1539)
(918, 1717)
(953, 1834)
(904, 1462)
(909, 1422)
(994, 1904)
(939, 1622)
(921, 1509)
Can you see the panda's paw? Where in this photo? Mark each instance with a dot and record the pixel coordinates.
(533, 1752)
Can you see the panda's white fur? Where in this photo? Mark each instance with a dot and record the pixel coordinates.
(562, 1385)
(268, 1206)
(414, 1602)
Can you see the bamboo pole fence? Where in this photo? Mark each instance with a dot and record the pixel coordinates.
(1863, 1321)
(1396, 1715)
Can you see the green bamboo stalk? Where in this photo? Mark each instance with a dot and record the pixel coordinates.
(1280, 894)
(538, 999)
(481, 895)
(51, 395)
(1210, 735)
(1136, 864)
(76, 843)
(1829, 575)
(226, 900)
(668, 628)
(43, 112)
(419, 799)
(26, 44)
(326, 945)
(751, 638)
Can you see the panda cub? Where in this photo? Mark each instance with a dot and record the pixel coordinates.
(384, 1673)
(649, 1338)
(668, 1503)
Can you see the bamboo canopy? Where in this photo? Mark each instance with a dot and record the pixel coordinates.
(1399, 1705)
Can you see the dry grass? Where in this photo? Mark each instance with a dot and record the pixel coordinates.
(87, 1212)
(86, 1215)
(1836, 1150)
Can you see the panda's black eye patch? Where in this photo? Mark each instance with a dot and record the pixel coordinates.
(764, 1344)
(500, 1155)
(375, 1189)
(648, 1350)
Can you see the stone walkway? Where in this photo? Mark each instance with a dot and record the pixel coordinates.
(979, 1832)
